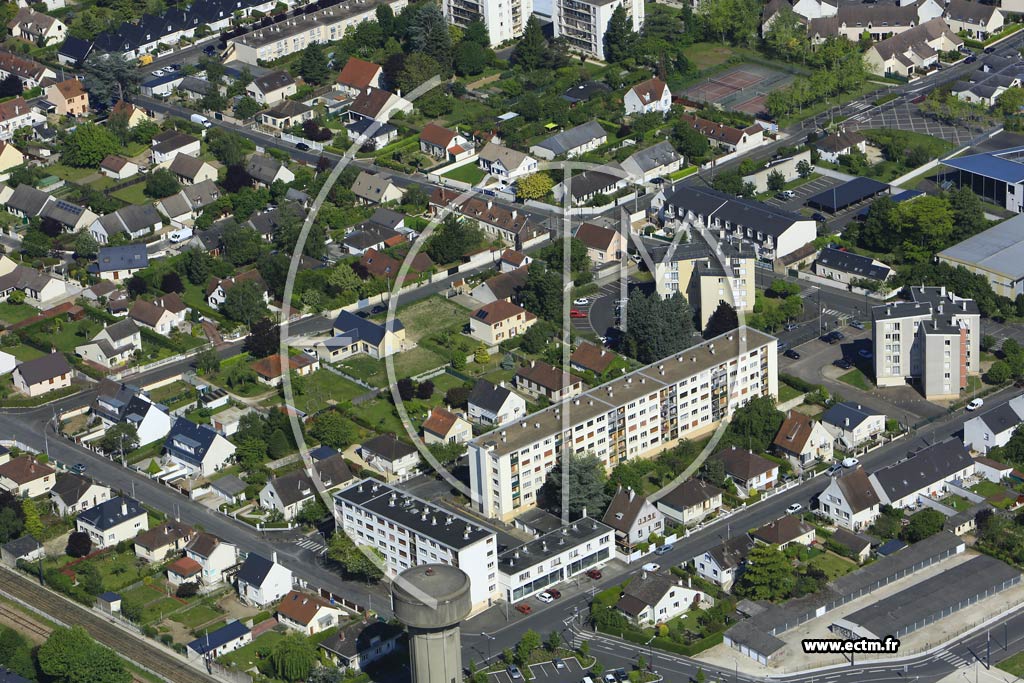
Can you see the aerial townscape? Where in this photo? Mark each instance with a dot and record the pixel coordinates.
(495, 341)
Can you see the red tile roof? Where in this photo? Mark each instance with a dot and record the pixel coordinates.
(358, 73)
(440, 422)
(185, 566)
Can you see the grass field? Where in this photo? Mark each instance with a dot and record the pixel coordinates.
(468, 173)
(133, 194)
(787, 393)
(1014, 665)
(706, 55)
(196, 616)
(379, 415)
(857, 379)
(833, 565)
(324, 388)
(169, 391)
(70, 173)
(407, 364)
(24, 352)
(14, 313)
(245, 657)
(430, 316)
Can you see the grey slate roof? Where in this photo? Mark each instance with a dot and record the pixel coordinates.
(388, 447)
(44, 368)
(488, 396)
(70, 487)
(854, 264)
(254, 570)
(109, 514)
(263, 168)
(1001, 418)
(857, 489)
(20, 547)
(129, 256)
(560, 143)
(655, 156)
(928, 466)
(689, 493)
(838, 414)
(355, 328)
(737, 211)
(645, 591)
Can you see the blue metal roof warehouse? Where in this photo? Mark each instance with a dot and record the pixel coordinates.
(847, 194)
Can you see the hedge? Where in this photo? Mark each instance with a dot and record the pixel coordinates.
(669, 645)
(799, 384)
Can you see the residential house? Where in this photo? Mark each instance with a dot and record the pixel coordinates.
(657, 161)
(371, 133)
(512, 260)
(30, 550)
(289, 492)
(163, 541)
(444, 426)
(504, 163)
(112, 346)
(585, 91)
(229, 488)
(507, 224)
(117, 167)
(69, 97)
(912, 51)
(270, 369)
(991, 470)
(499, 321)
(658, 597)
(37, 28)
(287, 113)
(840, 143)
(923, 474)
(25, 477)
(133, 115)
(43, 375)
(41, 289)
(494, 405)
(393, 458)
(170, 143)
(634, 519)
(849, 268)
(151, 420)
(120, 263)
(72, 494)
(852, 425)
(973, 19)
(74, 51)
(504, 286)
(358, 75)
(213, 557)
(31, 73)
(370, 236)
(220, 642)
(604, 245)
(648, 97)
(113, 521)
(162, 315)
(183, 208)
(354, 335)
(195, 88)
(749, 471)
(722, 564)
(728, 138)
(134, 220)
(994, 427)
(785, 531)
(443, 143)
(307, 614)
(359, 644)
(261, 581)
(849, 500)
(197, 448)
(858, 546)
(271, 87)
(374, 264)
(376, 104)
(691, 501)
(542, 379)
(190, 170)
(376, 188)
(266, 170)
(591, 185)
(571, 143)
(228, 421)
(588, 357)
(16, 114)
(217, 289)
(803, 440)
(10, 157)
(111, 400)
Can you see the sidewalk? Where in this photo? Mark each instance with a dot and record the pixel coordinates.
(978, 674)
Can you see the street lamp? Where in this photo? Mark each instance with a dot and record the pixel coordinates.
(489, 639)
(650, 650)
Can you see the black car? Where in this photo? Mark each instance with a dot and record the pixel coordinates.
(819, 217)
(302, 146)
(989, 50)
(842, 364)
(378, 309)
(209, 50)
(791, 353)
(971, 60)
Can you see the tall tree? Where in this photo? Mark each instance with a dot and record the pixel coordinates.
(72, 656)
(620, 40)
(429, 34)
(110, 77)
(121, 438)
(244, 302)
(754, 425)
(33, 523)
(767, 575)
(264, 339)
(530, 52)
(584, 482)
(355, 561)
(313, 65)
(723, 320)
(88, 145)
(656, 327)
(293, 657)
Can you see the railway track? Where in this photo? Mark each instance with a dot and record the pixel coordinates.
(23, 623)
(152, 657)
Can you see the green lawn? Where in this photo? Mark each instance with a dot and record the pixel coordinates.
(195, 296)
(170, 391)
(431, 315)
(856, 378)
(245, 657)
(833, 565)
(379, 415)
(958, 503)
(321, 389)
(787, 393)
(155, 611)
(706, 55)
(407, 364)
(119, 569)
(24, 352)
(70, 173)
(14, 313)
(133, 194)
(468, 173)
(1014, 665)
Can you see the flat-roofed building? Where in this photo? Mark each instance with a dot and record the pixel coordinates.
(997, 254)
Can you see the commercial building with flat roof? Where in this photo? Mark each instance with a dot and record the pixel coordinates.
(995, 176)
(997, 253)
(637, 415)
(409, 531)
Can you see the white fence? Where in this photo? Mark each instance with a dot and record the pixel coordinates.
(295, 139)
(835, 284)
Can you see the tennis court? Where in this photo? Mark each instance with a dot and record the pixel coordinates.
(743, 88)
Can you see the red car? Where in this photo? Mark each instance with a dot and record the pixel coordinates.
(577, 313)
(595, 574)
(524, 608)
(554, 593)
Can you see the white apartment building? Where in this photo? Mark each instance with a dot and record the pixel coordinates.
(408, 532)
(693, 270)
(634, 416)
(583, 22)
(504, 19)
(554, 557)
(931, 341)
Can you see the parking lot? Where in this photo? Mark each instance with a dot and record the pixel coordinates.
(808, 189)
(546, 672)
(902, 114)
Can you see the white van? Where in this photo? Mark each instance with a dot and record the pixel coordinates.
(199, 118)
(180, 235)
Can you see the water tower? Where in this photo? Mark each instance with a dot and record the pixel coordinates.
(431, 600)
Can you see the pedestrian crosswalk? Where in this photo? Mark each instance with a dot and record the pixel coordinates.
(953, 659)
(310, 544)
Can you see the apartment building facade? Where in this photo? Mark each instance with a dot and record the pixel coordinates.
(634, 416)
(408, 532)
(932, 341)
(583, 22)
(555, 557)
(706, 278)
(504, 19)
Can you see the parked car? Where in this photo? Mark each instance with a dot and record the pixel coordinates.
(662, 549)
(378, 309)
(789, 327)
(577, 313)
(786, 194)
(78, 468)
(790, 353)
(819, 217)
(302, 146)
(865, 353)
(794, 508)
(850, 462)
(524, 608)
(834, 468)
(651, 567)
(621, 674)
(555, 593)
(595, 574)
(842, 364)
(558, 662)
(989, 50)
(513, 672)
(856, 324)
(975, 404)
(159, 72)
(837, 335)
(783, 345)
(609, 677)
(545, 597)
(582, 301)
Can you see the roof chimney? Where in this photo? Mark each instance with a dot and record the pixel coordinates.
(124, 508)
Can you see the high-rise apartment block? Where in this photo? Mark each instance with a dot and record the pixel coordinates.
(705, 276)
(504, 19)
(583, 22)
